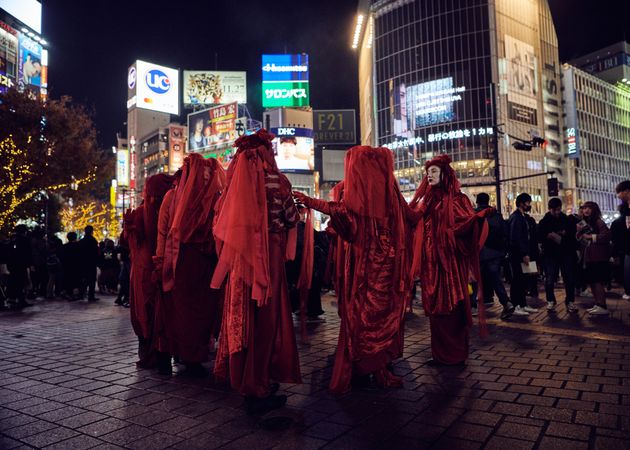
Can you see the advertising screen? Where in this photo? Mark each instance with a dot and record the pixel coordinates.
(285, 80)
(176, 144)
(157, 87)
(30, 64)
(214, 87)
(431, 103)
(212, 127)
(29, 12)
(522, 81)
(294, 149)
(122, 167)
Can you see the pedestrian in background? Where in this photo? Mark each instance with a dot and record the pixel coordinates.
(89, 263)
(491, 258)
(110, 268)
(621, 235)
(70, 256)
(53, 266)
(39, 271)
(556, 233)
(520, 248)
(594, 237)
(19, 261)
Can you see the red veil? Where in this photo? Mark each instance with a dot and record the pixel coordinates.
(241, 233)
(155, 188)
(195, 195)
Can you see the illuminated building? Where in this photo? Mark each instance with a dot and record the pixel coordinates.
(23, 53)
(469, 78)
(598, 131)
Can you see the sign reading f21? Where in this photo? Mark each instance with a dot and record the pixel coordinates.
(335, 126)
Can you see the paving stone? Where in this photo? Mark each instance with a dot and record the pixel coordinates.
(469, 432)
(519, 431)
(49, 437)
(553, 443)
(79, 442)
(326, 430)
(569, 431)
(103, 427)
(503, 443)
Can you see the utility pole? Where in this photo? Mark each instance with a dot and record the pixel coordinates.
(495, 145)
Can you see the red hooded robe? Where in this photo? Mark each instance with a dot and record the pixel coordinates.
(257, 341)
(186, 252)
(448, 239)
(371, 218)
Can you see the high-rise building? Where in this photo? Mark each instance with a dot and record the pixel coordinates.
(23, 53)
(597, 133)
(465, 77)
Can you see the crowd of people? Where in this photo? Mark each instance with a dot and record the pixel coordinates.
(216, 265)
(35, 265)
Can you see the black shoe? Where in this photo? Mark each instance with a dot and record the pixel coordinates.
(125, 304)
(255, 405)
(118, 302)
(273, 388)
(195, 370)
(93, 299)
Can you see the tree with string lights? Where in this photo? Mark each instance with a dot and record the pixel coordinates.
(46, 150)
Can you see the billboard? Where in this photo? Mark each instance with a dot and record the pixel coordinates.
(294, 149)
(212, 127)
(285, 80)
(153, 87)
(29, 64)
(335, 126)
(430, 103)
(214, 87)
(176, 146)
(29, 12)
(522, 81)
(122, 167)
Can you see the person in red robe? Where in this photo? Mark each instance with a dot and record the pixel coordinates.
(372, 218)
(189, 310)
(140, 231)
(448, 238)
(257, 342)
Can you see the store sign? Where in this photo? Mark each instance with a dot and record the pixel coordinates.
(214, 87)
(156, 87)
(572, 141)
(29, 12)
(285, 80)
(122, 167)
(336, 126)
(294, 149)
(522, 81)
(176, 146)
(212, 127)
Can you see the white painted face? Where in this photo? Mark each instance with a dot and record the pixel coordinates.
(433, 175)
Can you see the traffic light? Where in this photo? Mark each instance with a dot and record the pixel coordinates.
(539, 142)
(524, 146)
(552, 187)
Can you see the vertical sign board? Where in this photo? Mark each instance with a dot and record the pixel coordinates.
(522, 81)
(285, 80)
(571, 122)
(176, 144)
(335, 126)
(122, 167)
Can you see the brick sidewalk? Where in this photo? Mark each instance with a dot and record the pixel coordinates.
(552, 381)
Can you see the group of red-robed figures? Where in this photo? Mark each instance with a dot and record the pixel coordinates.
(209, 248)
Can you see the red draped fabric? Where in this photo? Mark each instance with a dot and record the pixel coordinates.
(447, 242)
(257, 341)
(188, 258)
(141, 233)
(371, 220)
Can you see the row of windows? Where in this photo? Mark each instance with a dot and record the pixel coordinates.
(606, 199)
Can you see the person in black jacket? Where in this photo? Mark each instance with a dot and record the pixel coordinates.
(90, 257)
(520, 248)
(70, 257)
(19, 261)
(556, 233)
(621, 234)
(491, 258)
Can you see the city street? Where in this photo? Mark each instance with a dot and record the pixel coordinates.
(553, 381)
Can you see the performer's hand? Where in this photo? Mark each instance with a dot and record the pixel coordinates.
(301, 198)
(526, 260)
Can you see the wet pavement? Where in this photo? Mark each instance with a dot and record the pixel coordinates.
(550, 381)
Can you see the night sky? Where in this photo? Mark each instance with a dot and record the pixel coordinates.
(92, 43)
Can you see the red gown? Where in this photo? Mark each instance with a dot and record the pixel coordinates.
(375, 284)
(189, 313)
(257, 341)
(448, 238)
(141, 235)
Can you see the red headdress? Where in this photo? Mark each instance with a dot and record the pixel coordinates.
(195, 196)
(155, 188)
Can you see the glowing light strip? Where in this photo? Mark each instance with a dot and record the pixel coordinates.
(357, 31)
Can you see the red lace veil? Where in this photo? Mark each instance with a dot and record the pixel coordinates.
(241, 224)
(155, 188)
(195, 196)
